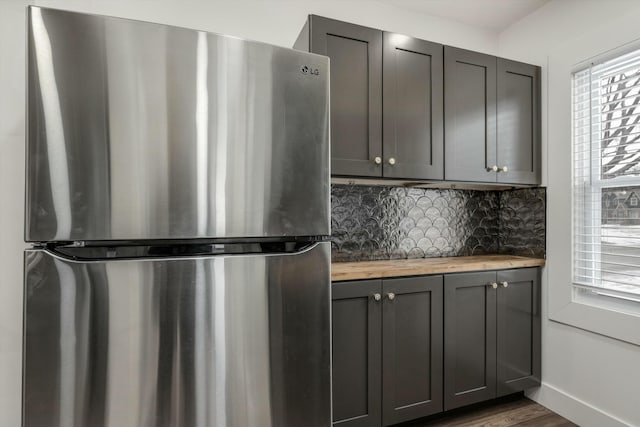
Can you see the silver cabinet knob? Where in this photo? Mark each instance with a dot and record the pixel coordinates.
(392, 161)
(377, 160)
(493, 285)
(504, 284)
(493, 168)
(505, 169)
(377, 297)
(391, 296)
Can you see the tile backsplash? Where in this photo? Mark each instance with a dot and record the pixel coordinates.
(382, 222)
(522, 229)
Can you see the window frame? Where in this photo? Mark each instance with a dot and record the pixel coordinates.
(562, 307)
(591, 191)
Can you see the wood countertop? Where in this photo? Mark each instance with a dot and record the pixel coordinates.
(422, 266)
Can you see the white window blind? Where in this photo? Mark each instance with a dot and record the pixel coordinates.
(606, 180)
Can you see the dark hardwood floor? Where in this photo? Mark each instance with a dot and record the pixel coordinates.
(515, 411)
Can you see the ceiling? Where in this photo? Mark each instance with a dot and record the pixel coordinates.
(494, 15)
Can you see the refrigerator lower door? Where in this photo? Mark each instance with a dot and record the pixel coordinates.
(225, 341)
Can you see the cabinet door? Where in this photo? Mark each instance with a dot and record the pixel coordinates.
(470, 338)
(356, 345)
(518, 122)
(412, 108)
(356, 94)
(469, 115)
(412, 350)
(518, 338)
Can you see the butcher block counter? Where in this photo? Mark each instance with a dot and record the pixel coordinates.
(423, 266)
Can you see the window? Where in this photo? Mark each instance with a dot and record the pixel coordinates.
(606, 182)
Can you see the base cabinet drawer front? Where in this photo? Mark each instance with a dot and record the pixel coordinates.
(356, 345)
(518, 337)
(491, 335)
(412, 348)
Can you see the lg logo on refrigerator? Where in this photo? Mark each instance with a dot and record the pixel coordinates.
(308, 70)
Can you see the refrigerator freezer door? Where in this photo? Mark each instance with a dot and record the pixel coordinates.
(229, 341)
(146, 131)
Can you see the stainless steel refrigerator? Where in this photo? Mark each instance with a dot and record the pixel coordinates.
(177, 203)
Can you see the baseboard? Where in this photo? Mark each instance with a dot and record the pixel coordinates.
(572, 408)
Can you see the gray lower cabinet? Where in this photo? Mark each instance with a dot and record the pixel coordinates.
(412, 348)
(470, 339)
(518, 330)
(356, 320)
(492, 119)
(492, 335)
(387, 350)
(393, 337)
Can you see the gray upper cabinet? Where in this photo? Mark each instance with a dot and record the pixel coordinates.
(413, 143)
(356, 345)
(492, 119)
(406, 108)
(470, 115)
(518, 122)
(407, 103)
(412, 348)
(356, 92)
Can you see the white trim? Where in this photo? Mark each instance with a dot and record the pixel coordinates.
(574, 409)
(559, 265)
(613, 324)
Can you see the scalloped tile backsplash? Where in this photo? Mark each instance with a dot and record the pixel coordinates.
(522, 222)
(379, 222)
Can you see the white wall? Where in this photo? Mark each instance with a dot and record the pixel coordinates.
(11, 206)
(592, 379)
(277, 22)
